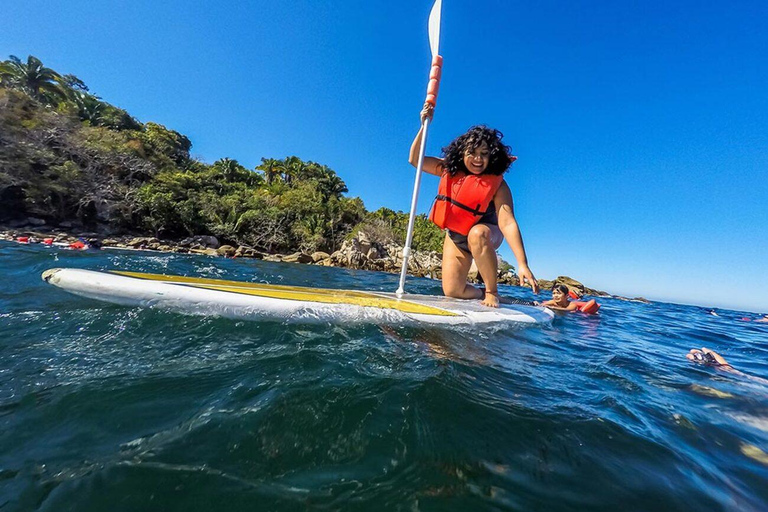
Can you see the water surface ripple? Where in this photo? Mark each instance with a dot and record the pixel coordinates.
(111, 408)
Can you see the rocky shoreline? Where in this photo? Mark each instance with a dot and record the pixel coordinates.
(359, 252)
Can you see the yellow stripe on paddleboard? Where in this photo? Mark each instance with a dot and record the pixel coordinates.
(277, 291)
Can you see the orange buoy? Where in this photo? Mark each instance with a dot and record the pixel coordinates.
(590, 307)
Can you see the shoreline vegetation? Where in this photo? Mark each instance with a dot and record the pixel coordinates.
(74, 166)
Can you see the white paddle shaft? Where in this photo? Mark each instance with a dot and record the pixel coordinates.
(412, 218)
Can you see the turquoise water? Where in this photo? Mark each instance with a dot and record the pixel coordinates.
(123, 409)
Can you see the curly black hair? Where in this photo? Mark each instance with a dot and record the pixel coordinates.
(500, 156)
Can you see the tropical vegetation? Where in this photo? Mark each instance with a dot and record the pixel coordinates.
(68, 156)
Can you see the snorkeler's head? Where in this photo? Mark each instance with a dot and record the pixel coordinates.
(499, 156)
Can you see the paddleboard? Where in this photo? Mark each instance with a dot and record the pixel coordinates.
(295, 304)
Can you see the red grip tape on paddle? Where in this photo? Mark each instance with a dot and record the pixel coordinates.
(434, 80)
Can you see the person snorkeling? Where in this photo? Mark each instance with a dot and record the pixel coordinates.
(474, 206)
(711, 358)
(559, 301)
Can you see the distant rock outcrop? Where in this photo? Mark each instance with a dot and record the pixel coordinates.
(573, 285)
(363, 253)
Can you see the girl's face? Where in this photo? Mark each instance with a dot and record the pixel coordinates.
(477, 161)
(557, 295)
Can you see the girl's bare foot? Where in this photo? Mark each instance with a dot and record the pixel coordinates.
(491, 299)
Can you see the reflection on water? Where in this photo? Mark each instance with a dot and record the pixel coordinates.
(112, 408)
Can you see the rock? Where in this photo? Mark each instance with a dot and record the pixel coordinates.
(210, 252)
(298, 257)
(109, 242)
(226, 250)
(66, 224)
(200, 242)
(249, 252)
(209, 241)
(273, 257)
(337, 257)
(138, 242)
(34, 221)
(363, 238)
(319, 256)
(571, 283)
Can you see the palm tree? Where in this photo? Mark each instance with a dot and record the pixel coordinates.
(229, 168)
(292, 168)
(330, 183)
(33, 78)
(270, 167)
(89, 107)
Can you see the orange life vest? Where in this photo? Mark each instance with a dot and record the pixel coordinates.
(462, 200)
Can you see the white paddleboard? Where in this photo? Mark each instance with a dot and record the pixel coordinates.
(257, 301)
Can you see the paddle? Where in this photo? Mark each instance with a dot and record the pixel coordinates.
(432, 89)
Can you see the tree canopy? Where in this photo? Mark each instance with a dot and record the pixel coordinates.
(68, 155)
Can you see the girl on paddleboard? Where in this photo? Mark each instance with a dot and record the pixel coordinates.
(474, 207)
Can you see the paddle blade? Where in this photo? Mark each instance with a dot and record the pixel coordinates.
(434, 27)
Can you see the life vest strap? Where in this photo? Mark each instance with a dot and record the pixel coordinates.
(474, 211)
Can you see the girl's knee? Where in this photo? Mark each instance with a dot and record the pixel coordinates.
(479, 235)
(452, 291)
(455, 290)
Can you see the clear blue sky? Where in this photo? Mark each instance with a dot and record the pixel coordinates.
(641, 127)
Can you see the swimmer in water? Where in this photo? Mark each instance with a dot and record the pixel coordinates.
(712, 358)
(559, 301)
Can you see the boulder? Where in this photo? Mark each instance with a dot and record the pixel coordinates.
(225, 250)
(319, 256)
(571, 283)
(200, 242)
(209, 241)
(138, 242)
(372, 253)
(298, 257)
(34, 221)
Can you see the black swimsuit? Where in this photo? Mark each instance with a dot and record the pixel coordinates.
(489, 218)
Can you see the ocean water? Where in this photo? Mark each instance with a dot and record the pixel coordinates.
(112, 408)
